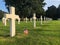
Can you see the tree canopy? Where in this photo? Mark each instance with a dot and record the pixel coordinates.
(1, 14)
(25, 8)
(53, 12)
(58, 12)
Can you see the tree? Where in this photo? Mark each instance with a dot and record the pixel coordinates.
(51, 12)
(1, 14)
(25, 8)
(58, 12)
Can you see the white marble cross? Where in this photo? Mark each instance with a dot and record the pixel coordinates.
(44, 19)
(26, 19)
(30, 19)
(4, 21)
(18, 20)
(41, 19)
(12, 18)
(34, 18)
(17, 17)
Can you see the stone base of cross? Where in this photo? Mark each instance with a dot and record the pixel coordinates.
(12, 18)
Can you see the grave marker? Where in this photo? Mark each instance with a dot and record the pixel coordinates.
(4, 21)
(34, 18)
(12, 18)
(30, 19)
(41, 19)
(44, 19)
(26, 19)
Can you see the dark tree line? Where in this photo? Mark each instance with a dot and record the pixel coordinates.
(53, 12)
(1, 14)
(26, 8)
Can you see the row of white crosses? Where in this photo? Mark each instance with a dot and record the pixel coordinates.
(26, 19)
(12, 18)
(34, 18)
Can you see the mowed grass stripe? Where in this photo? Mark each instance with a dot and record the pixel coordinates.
(46, 34)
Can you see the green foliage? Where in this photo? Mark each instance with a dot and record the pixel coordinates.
(46, 34)
(58, 11)
(25, 8)
(1, 14)
(53, 12)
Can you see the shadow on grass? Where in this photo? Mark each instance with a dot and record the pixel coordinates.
(50, 33)
(44, 30)
(7, 35)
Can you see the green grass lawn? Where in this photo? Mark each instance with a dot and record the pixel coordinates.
(46, 34)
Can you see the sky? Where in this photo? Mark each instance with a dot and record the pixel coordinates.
(2, 6)
(48, 4)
